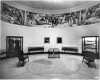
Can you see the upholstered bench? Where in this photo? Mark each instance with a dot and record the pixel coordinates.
(35, 49)
(70, 49)
(22, 60)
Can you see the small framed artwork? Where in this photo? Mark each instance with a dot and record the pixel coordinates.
(59, 40)
(46, 40)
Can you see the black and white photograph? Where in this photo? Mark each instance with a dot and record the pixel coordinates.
(50, 39)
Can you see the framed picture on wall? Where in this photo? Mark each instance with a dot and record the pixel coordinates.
(59, 39)
(46, 40)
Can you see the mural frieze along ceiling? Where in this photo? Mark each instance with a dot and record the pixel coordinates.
(83, 13)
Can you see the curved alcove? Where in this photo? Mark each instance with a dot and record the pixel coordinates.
(37, 24)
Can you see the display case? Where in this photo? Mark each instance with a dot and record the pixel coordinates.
(90, 44)
(14, 44)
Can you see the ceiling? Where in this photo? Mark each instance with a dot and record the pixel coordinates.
(50, 5)
(53, 4)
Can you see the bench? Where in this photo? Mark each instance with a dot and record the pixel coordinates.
(35, 49)
(22, 60)
(70, 49)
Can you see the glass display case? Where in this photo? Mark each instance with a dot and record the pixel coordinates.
(90, 43)
(13, 45)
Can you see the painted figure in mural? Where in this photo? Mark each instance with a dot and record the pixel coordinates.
(12, 15)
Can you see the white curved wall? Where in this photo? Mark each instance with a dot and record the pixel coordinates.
(0, 35)
(34, 36)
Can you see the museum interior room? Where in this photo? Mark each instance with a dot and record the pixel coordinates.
(49, 39)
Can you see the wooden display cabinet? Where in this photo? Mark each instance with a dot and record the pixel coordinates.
(13, 45)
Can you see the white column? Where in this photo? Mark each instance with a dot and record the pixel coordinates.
(84, 15)
(25, 18)
(80, 16)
